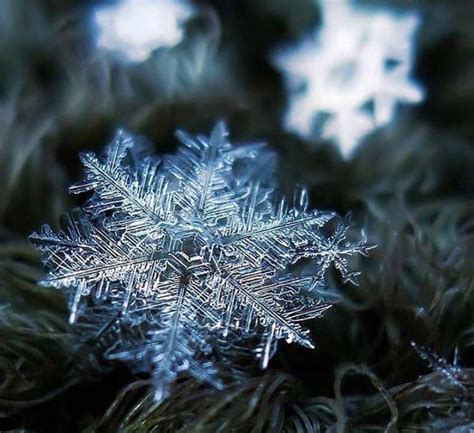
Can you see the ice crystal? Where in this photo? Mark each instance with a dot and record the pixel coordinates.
(452, 373)
(134, 28)
(192, 254)
(349, 76)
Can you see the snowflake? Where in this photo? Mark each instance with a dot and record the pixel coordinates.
(349, 76)
(452, 373)
(134, 28)
(191, 255)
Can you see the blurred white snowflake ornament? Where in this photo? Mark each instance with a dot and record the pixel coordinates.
(347, 78)
(135, 28)
(175, 256)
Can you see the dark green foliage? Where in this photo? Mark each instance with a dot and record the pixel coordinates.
(411, 185)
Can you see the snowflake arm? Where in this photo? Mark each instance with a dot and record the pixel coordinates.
(207, 190)
(93, 260)
(274, 234)
(267, 306)
(179, 339)
(134, 196)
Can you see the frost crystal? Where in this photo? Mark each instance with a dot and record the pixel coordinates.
(134, 28)
(173, 257)
(348, 77)
(452, 373)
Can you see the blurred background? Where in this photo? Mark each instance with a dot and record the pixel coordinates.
(73, 71)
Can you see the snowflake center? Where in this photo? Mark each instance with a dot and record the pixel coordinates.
(344, 74)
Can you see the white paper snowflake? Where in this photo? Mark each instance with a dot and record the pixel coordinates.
(347, 78)
(135, 28)
(171, 261)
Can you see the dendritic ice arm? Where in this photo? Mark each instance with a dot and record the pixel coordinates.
(277, 235)
(253, 301)
(127, 189)
(178, 340)
(207, 190)
(90, 260)
(272, 231)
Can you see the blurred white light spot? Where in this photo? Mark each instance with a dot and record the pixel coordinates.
(134, 28)
(347, 78)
